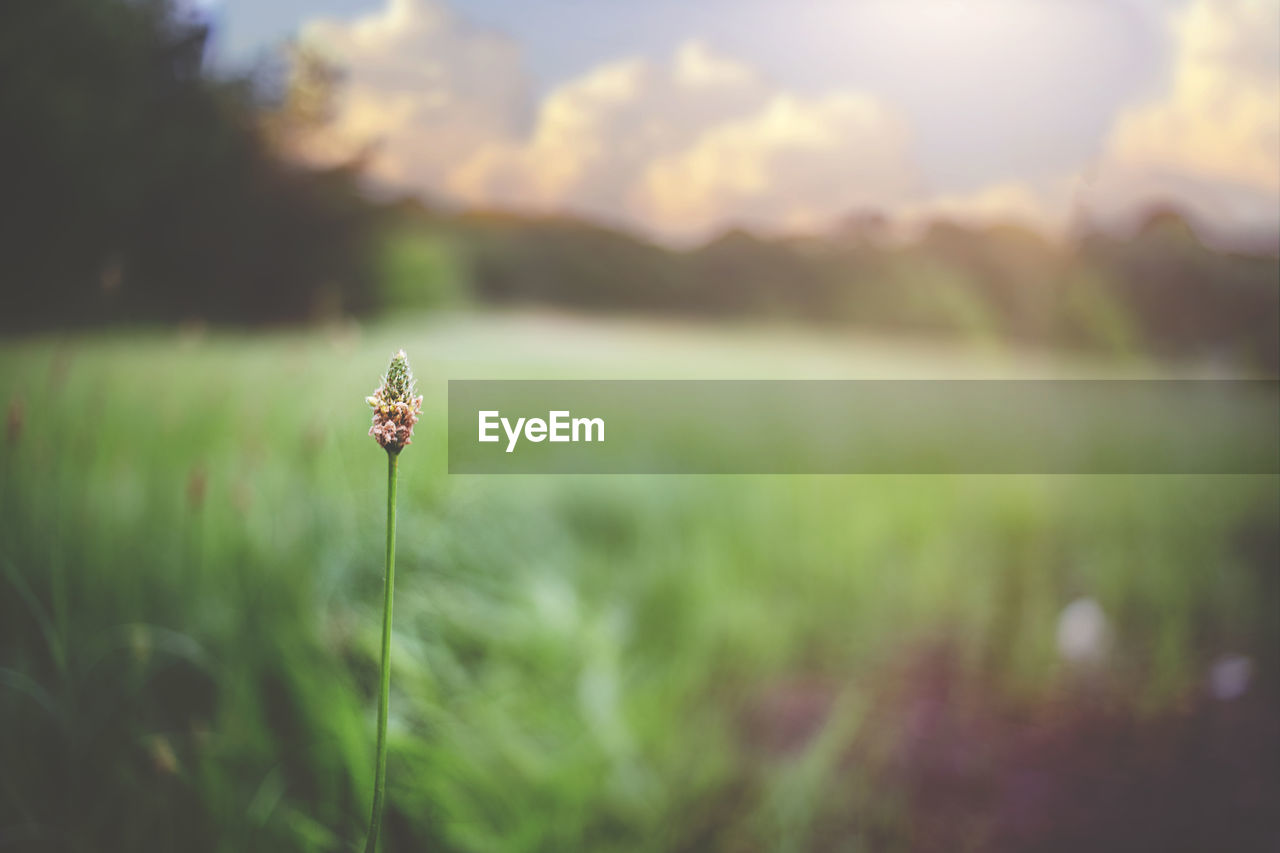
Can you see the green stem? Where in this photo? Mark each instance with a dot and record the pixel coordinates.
(380, 776)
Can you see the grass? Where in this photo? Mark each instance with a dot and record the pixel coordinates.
(190, 592)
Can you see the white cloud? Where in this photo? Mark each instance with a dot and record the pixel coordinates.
(684, 146)
(1211, 143)
(792, 163)
(679, 147)
(697, 141)
(1222, 117)
(422, 85)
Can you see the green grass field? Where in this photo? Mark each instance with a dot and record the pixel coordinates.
(190, 594)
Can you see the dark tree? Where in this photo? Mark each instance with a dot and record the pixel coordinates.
(139, 188)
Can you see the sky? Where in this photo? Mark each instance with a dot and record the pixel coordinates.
(683, 118)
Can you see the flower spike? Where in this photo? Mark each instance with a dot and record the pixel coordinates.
(396, 406)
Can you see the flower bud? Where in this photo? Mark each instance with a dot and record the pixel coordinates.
(396, 406)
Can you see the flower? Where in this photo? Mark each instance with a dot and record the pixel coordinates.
(395, 407)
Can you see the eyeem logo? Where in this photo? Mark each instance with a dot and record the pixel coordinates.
(559, 426)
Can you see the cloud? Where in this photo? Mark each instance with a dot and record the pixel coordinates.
(1222, 117)
(792, 163)
(593, 135)
(696, 141)
(684, 146)
(1212, 141)
(679, 146)
(422, 85)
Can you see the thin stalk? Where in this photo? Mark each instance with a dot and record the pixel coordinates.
(384, 690)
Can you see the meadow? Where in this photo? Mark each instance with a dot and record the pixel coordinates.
(191, 534)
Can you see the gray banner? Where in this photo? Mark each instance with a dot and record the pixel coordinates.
(859, 426)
